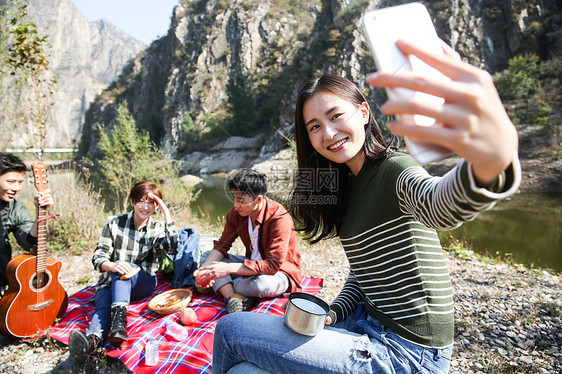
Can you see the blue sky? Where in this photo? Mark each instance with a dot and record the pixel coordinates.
(146, 20)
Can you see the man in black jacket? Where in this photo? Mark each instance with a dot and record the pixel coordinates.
(14, 218)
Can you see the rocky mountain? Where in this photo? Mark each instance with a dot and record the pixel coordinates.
(85, 56)
(270, 48)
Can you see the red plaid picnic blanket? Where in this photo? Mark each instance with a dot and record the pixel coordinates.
(193, 355)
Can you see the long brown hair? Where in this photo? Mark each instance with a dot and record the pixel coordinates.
(319, 209)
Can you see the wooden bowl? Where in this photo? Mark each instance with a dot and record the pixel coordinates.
(170, 301)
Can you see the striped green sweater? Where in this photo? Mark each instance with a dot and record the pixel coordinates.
(397, 264)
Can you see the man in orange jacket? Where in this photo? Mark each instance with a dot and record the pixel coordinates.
(271, 265)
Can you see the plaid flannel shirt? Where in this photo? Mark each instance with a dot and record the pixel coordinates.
(121, 240)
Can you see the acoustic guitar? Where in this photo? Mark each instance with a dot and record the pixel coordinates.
(35, 297)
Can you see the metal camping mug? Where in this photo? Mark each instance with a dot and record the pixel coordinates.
(305, 313)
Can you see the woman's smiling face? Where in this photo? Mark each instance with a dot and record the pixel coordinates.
(336, 128)
(144, 208)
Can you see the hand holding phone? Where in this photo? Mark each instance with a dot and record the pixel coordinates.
(411, 22)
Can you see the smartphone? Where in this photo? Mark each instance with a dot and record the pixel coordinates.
(410, 22)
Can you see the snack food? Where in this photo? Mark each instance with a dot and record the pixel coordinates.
(131, 273)
(170, 301)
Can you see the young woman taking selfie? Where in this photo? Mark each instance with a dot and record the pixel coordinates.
(395, 311)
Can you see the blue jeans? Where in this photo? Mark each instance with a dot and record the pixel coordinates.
(122, 291)
(259, 343)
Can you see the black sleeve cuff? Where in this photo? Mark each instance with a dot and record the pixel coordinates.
(32, 240)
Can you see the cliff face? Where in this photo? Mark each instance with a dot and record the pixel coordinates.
(85, 56)
(278, 47)
(487, 33)
(186, 72)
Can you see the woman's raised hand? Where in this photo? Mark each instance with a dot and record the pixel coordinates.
(475, 124)
(162, 206)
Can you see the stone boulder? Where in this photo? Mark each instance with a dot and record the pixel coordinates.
(234, 153)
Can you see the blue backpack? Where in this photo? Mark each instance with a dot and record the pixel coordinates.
(186, 261)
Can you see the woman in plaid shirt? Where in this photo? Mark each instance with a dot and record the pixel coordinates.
(128, 257)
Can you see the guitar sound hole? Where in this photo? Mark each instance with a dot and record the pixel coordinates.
(40, 280)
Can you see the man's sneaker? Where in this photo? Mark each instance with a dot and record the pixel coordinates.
(239, 303)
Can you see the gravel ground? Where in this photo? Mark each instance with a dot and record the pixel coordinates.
(507, 320)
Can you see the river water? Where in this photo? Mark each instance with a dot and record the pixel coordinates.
(525, 227)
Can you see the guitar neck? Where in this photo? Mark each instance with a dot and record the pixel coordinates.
(40, 180)
(41, 240)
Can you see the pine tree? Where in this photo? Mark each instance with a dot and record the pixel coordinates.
(241, 104)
